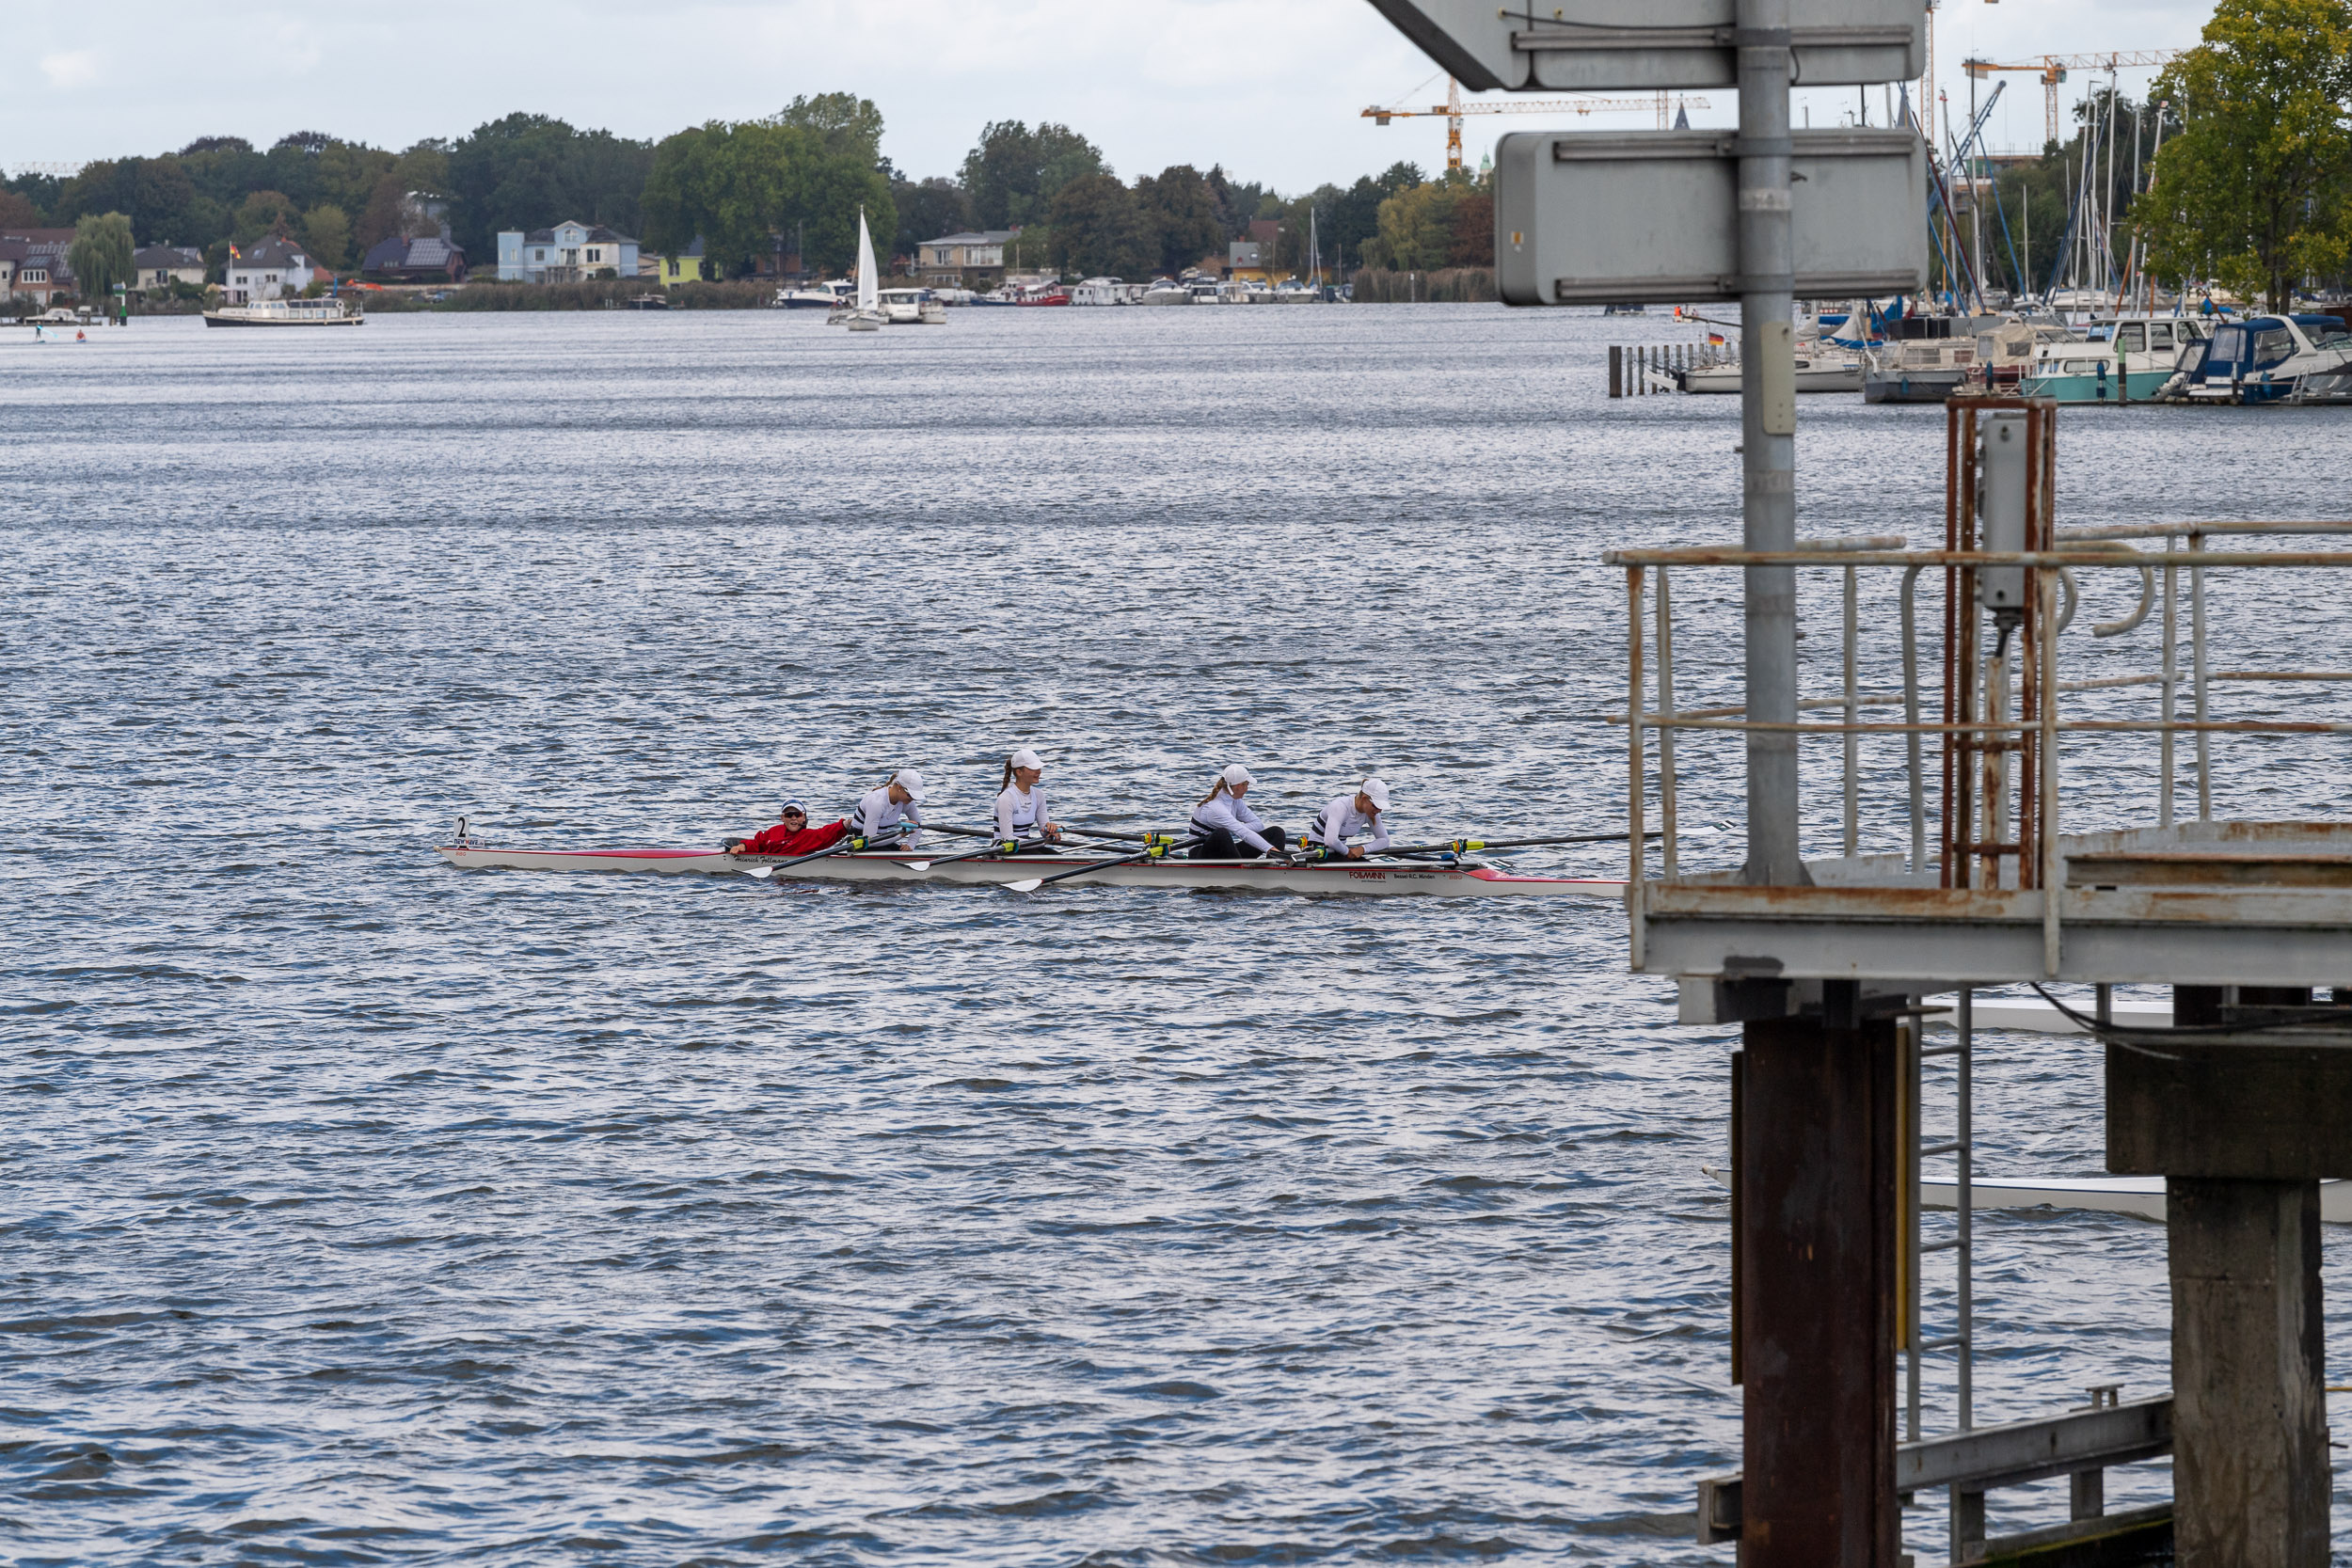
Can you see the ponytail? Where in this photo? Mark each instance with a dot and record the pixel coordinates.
(1221, 789)
(1005, 782)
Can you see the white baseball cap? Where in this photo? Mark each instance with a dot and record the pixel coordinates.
(1377, 793)
(1236, 776)
(1026, 758)
(910, 780)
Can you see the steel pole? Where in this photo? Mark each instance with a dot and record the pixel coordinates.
(1768, 427)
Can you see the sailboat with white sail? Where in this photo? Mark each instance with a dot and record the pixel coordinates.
(865, 316)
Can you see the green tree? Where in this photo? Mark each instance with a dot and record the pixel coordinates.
(100, 254)
(17, 211)
(849, 126)
(1014, 173)
(381, 218)
(1415, 228)
(2253, 190)
(1179, 208)
(154, 193)
(261, 215)
(1098, 229)
(927, 210)
(746, 189)
(530, 172)
(327, 234)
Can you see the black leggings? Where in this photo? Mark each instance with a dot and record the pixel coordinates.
(1218, 844)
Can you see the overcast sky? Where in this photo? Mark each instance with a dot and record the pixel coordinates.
(1270, 89)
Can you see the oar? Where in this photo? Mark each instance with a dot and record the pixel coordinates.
(847, 846)
(1002, 847)
(1155, 852)
(1463, 846)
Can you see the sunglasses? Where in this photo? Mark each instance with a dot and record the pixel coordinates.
(799, 814)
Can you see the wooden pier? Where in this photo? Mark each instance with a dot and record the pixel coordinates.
(2241, 1101)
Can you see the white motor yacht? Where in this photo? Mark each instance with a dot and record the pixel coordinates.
(1098, 290)
(2286, 358)
(1166, 291)
(911, 307)
(812, 296)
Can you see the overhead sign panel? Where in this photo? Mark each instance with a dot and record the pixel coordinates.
(1609, 45)
(1652, 216)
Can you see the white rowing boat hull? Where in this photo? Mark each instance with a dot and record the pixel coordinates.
(1387, 880)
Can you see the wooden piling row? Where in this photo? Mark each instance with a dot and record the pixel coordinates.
(1629, 365)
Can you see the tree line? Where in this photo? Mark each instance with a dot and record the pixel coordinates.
(790, 182)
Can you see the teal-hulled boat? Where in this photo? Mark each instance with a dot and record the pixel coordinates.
(2124, 362)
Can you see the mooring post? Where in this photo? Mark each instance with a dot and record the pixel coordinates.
(1616, 370)
(2243, 1133)
(1817, 1156)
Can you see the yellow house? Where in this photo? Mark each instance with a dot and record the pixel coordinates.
(684, 268)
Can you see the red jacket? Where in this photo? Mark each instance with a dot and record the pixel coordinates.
(780, 840)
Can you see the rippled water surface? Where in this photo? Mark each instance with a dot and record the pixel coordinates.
(359, 1210)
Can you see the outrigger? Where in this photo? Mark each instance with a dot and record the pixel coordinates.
(1450, 869)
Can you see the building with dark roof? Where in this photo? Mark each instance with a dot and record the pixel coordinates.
(426, 259)
(33, 265)
(266, 269)
(159, 266)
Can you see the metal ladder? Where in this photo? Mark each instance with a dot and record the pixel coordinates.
(1967, 1508)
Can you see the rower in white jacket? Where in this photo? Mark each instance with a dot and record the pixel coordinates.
(1021, 813)
(1227, 828)
(1350, 815)
(883, 810)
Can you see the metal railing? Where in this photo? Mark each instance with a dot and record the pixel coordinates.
(1997, 708)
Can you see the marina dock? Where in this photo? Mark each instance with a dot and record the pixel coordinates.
(2239, 1101)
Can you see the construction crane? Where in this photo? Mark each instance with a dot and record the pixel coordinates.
(2052, 70)
(1454, 109)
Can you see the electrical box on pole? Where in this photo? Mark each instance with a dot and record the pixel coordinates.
(1593, 217)
(1666, 43)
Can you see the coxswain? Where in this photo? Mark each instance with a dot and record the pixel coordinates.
(1227, 828)
(794, 835)
(1021, 813)
(1350, 815)
(886, 810)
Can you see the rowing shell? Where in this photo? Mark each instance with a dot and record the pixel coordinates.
(1330, 877)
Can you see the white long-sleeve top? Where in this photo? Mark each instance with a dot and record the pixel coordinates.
(878, 813)
(1022, 812)
(1341, 821)
(1234, 816)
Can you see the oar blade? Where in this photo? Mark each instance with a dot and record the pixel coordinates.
(918, 865)
(762, 872)
(1027, 884)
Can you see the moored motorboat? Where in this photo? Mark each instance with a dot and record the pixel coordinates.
(2126, 361)
(2269, 359)
(1461, 877)
(1818, 370)
(814, 296)
(911, 307)
(332, 310)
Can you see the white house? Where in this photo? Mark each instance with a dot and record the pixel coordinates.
(160, 266)
(567, 253)
(266, 270)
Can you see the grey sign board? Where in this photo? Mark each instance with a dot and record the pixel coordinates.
(1652, 216)
(1593, 46)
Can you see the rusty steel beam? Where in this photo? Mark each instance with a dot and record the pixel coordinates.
(1817, 1284)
